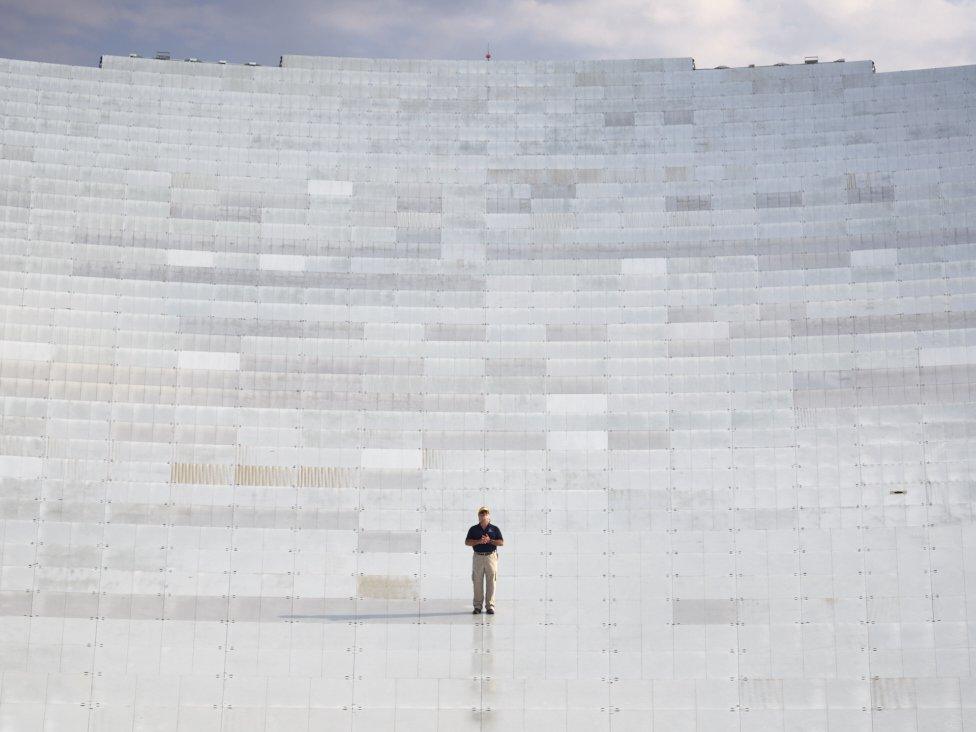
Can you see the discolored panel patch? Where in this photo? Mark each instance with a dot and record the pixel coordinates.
(386, 587)
(704, 612)
(272, 475)
(393, 542)
(319, 477)
(200, 473)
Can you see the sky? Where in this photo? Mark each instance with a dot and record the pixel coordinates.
(895, 34)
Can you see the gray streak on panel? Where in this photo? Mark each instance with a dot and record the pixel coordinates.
(700, 202)
(704, 612)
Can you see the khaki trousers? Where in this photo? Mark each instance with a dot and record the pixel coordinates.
(484, 571)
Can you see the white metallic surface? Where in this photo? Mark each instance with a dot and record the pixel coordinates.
(704, 341)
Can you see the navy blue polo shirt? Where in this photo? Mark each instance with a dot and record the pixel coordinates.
(476, 532)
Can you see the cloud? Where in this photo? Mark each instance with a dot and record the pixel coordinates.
(897, 34)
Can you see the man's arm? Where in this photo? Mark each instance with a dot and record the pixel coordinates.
(500, 541)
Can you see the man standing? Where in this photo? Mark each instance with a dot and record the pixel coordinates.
(484, 537)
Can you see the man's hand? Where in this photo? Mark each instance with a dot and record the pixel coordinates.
(485, 539)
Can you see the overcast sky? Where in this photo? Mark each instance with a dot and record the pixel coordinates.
(896, 34)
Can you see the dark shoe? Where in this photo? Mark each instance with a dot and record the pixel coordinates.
(490, 611)
(477, 611)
